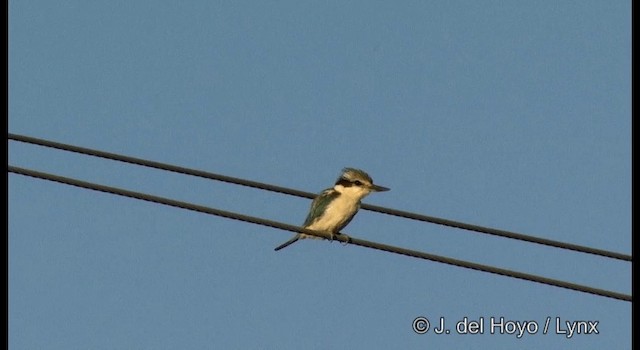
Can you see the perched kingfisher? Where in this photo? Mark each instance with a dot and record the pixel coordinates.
(334, 207)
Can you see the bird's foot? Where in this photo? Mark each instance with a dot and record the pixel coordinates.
(334, 237)
(347, 241)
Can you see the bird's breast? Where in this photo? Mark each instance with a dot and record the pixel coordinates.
(336, 214)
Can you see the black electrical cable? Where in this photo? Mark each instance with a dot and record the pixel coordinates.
(289, 191)
(342, 238)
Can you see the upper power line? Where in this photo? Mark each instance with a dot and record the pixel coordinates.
(298, 193)
(342, 238)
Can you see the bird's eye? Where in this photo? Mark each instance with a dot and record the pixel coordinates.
(358, 183)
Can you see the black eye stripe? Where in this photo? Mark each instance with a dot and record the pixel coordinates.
(347, 183)
(344, 183)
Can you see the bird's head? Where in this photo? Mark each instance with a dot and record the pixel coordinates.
(357, 183)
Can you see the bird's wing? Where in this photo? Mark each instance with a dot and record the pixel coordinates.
(319, 205)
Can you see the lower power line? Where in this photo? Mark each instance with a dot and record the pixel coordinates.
(296, 229)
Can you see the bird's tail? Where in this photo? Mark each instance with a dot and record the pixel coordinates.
(288, 243)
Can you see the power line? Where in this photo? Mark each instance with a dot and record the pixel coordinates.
(342, 238)
(293, 192)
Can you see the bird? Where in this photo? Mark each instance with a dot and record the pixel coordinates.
(333, 208)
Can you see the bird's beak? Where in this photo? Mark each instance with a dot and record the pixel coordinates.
(377, 188)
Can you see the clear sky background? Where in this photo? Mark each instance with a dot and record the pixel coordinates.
(509, 114)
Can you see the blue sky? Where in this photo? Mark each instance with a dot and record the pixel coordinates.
(514, 115)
